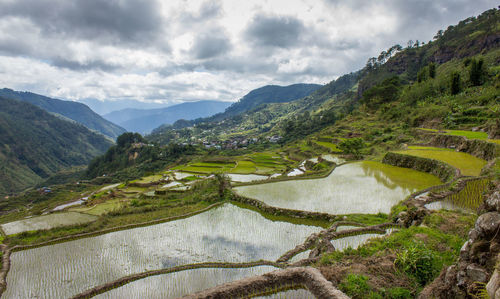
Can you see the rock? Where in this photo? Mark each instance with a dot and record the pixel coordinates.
(488, 224)
(478, 249)
(473, 235)
(402, 217)
(493, 285)
(461, 278)
(464, 251)
(493, 202)
(495, 248)
(476, 274)
(450, 276)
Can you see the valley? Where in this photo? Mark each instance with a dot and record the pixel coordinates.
(383, 183)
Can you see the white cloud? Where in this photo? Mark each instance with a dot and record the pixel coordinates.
(183, 50)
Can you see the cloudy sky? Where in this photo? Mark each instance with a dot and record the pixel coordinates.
(178, 50)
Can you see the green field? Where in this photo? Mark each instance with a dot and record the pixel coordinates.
(256, 163)
(329, 145)
(418, 147)
(149, 179)
(467, 134)
(268, 163)
(207, 167)
(102, 208)
(244, 167)
(467, 164)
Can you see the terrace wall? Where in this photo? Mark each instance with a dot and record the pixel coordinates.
(284, 212)
(478, 148)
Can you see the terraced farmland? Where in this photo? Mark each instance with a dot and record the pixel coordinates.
(339, 193)
(467, 164)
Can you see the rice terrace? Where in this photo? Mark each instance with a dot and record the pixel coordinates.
(383, 183)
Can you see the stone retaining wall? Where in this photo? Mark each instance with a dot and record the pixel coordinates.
(478, 148)
(5, 267)
(321, 241)
(477, 261)
(284, 212)
(309, 277)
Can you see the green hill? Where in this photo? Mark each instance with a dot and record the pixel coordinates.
(35, 144)
(262, 114)
(255, 99)
(76, 111)
(269, 94)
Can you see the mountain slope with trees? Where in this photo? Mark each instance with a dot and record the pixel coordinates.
(269, 94)
(78, 112)
(263, 114)
(35, 144)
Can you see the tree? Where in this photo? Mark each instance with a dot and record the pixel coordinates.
(476, 72)
(432, 70)
(382, 57)
(439, 34)
(371, 63)
(422, 75)
(352, 146)
(455, 83)
(386, 91)
(129, 138)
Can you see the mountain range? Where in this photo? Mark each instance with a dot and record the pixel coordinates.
(75, 111)
(145, 120)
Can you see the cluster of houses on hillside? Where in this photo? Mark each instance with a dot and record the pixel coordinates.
(235, 142)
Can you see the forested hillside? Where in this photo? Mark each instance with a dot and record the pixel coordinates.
(75, 111)
(35, 144)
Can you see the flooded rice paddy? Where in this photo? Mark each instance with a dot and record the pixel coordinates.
(223, 234)
(70, 204)
(175, 285)
(245, 178)
(226, 233)
(362, 187)
(46, 222)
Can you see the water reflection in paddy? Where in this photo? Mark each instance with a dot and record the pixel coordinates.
(227, 233)
(174, 285)
(362, 187)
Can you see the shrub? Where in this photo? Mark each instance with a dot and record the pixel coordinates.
(355, 285)
(398, 293)
(387, 91)
(352, 146)
(418, 262)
